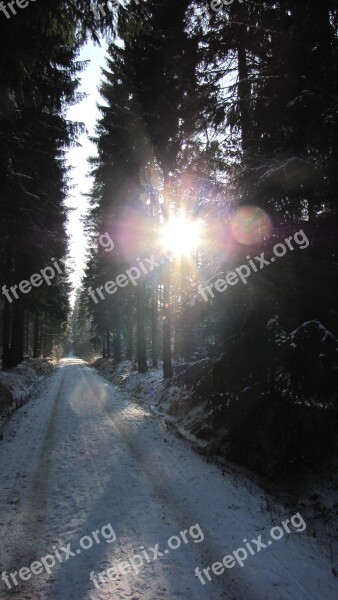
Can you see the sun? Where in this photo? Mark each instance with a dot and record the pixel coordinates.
(181, 236)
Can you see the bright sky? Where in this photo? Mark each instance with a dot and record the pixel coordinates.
(87, 113)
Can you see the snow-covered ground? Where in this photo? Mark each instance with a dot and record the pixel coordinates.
(316, 494)
(83, 455)
(17, 384)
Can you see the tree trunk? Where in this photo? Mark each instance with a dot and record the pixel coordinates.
(18, 335)
(26, 350)
(36, 336)
(6, 335)
(141, 338)
(130, 341)
(108, 343)
(154, 328)
(167, 366)
(104, 354)
(117, 343)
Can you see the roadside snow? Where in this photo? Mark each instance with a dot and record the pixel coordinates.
(17, 384)
(20, 381)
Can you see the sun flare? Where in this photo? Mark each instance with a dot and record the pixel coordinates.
(181, 236)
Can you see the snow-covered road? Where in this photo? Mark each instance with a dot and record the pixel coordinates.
(81, 456)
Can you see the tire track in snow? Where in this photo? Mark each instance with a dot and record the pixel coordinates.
(34, 504)
(175, 506)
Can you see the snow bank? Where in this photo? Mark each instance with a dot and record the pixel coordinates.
(16, 384)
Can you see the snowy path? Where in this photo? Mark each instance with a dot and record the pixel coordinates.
(81, 456)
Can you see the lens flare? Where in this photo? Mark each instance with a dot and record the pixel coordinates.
(180, 235)
(250, 225)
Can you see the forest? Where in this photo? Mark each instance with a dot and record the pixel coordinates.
(168, 305)
(214, 200)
